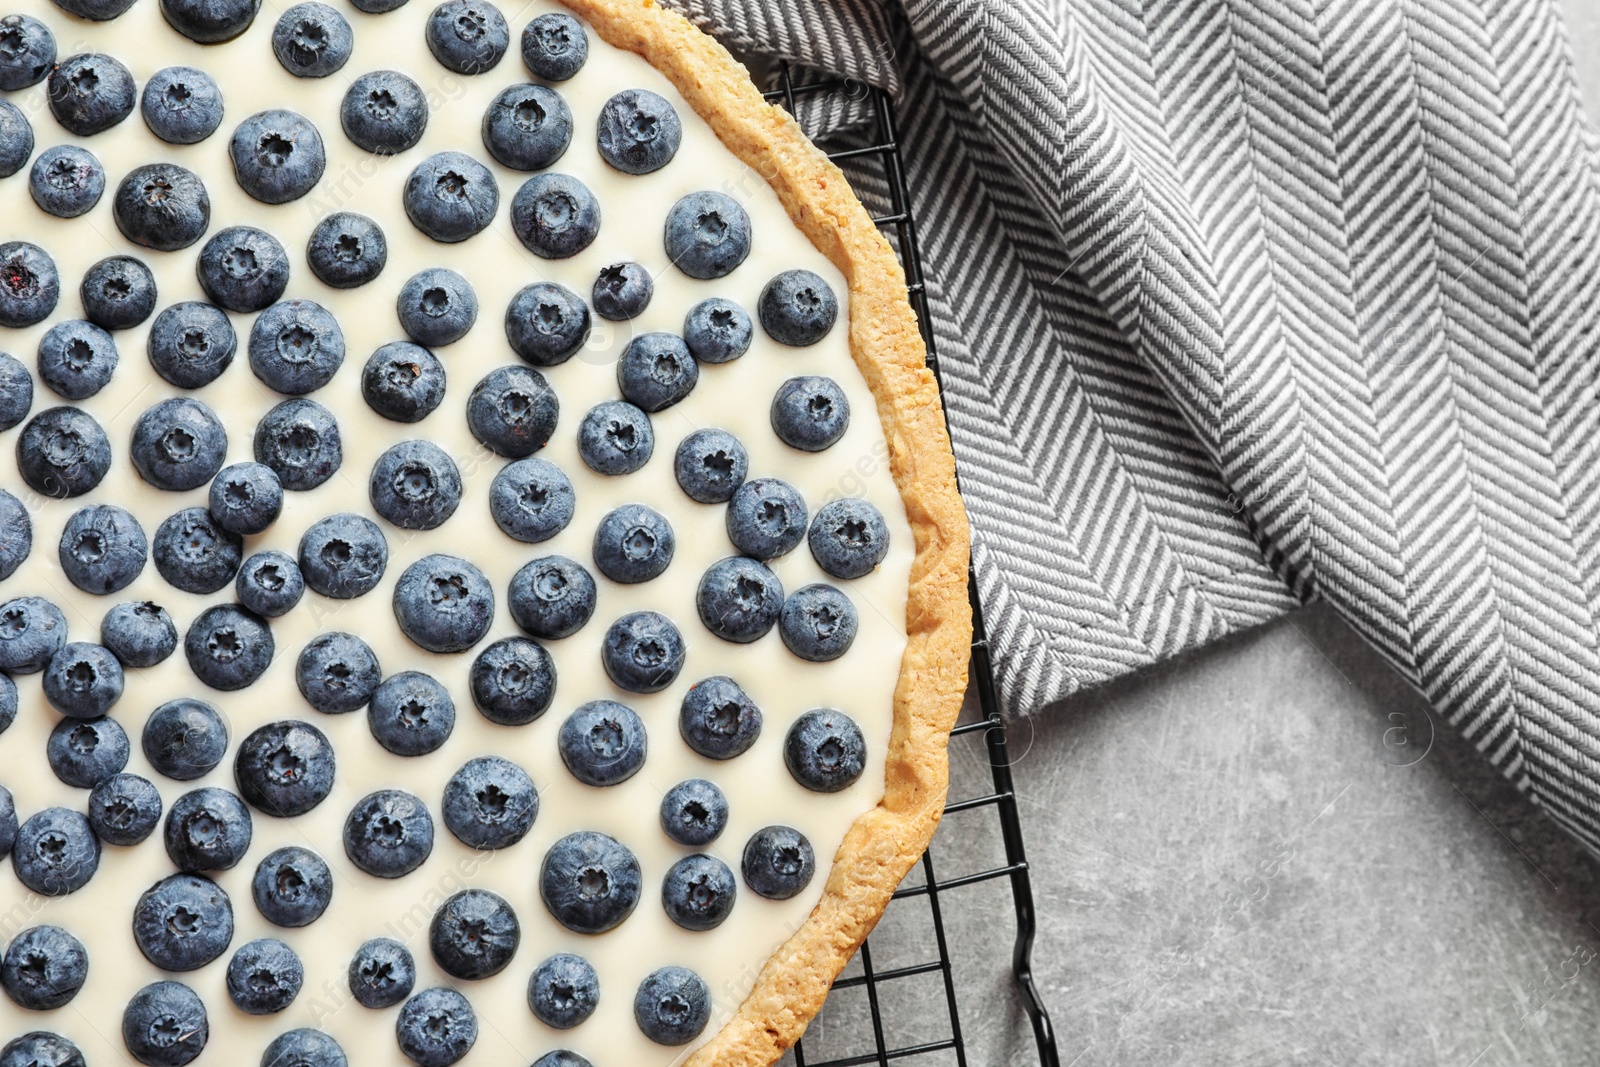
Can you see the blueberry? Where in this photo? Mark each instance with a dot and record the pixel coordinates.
(639, 131)
(818, 623)
(207, 830)
(285, 768)
(347, 250)
(718, 719)
(436, 1027)
(450, 196)
(698, 892)
(555, 216)
(337, 672)
(102, 549)
(382, 973)
(547, 323)
(8, 821)
(467, 36)
(179, 444)
(162, 206)
(191, 344)
(90, 93)
(40, 1048)
(32, 630)
(411, 714)
(512, 411)
(277, 156)
(388, 833)
(403, 381)
(299, 440)
(554, 47)
(490, 803)
(245, 498)
(563, 991)
(63, 452)
(561, 1058)
(344, 556)
(9, 703)
(717, 331)
(118, 292)
(269, 583)
(16, 139)
(29, 284)
(589, 882)
(304, 1048)
(552, 597)
(824, 750)
(264, 976)
(415, 485)
(66, 180)
(656, 371)
(633, 544)
(16, 534)
(513, 681)
(615, 438)
(139, 633)
(531, 500)
(444, 603)
(296, 346)
(474, 934)
(377, 7)
(643, 652)
(312, 40)
(710, 465)
(44, 968)
(228, 647)
(55, 853)
(210, 21)
(124, 809)
(739, 599)
(27, 52)
(766, 518)
(183, 922)
(76, 359)
(95, 10)
(82, 680)
(384, 112)
(810, 413)
(848, 538)
(707, 235)
(184, 739)
(778, 862)
(181, 105)
(165, 1025)
(797, 308)
(527, 127)
(603, 743)
(195, 554)
(16, 392)
(85, 752)
(436, 307)
(243, 269)
(622, 291)
(694, 812)
(672, 1005)
(292, 886)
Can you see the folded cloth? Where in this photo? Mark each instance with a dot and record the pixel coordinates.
(1244, 302)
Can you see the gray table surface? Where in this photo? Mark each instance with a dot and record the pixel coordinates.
(1268, 852)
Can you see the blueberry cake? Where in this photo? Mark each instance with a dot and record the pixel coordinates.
(481, 576)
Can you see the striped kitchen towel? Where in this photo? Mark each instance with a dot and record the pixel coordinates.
(1244, 302)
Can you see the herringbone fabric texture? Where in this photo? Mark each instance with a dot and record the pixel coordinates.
(1243, 302)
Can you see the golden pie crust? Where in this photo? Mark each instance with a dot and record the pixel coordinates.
(883, 844)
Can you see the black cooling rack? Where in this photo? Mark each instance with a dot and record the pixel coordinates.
(883, 1032)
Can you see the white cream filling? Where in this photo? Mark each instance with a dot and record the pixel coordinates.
(734, 396)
